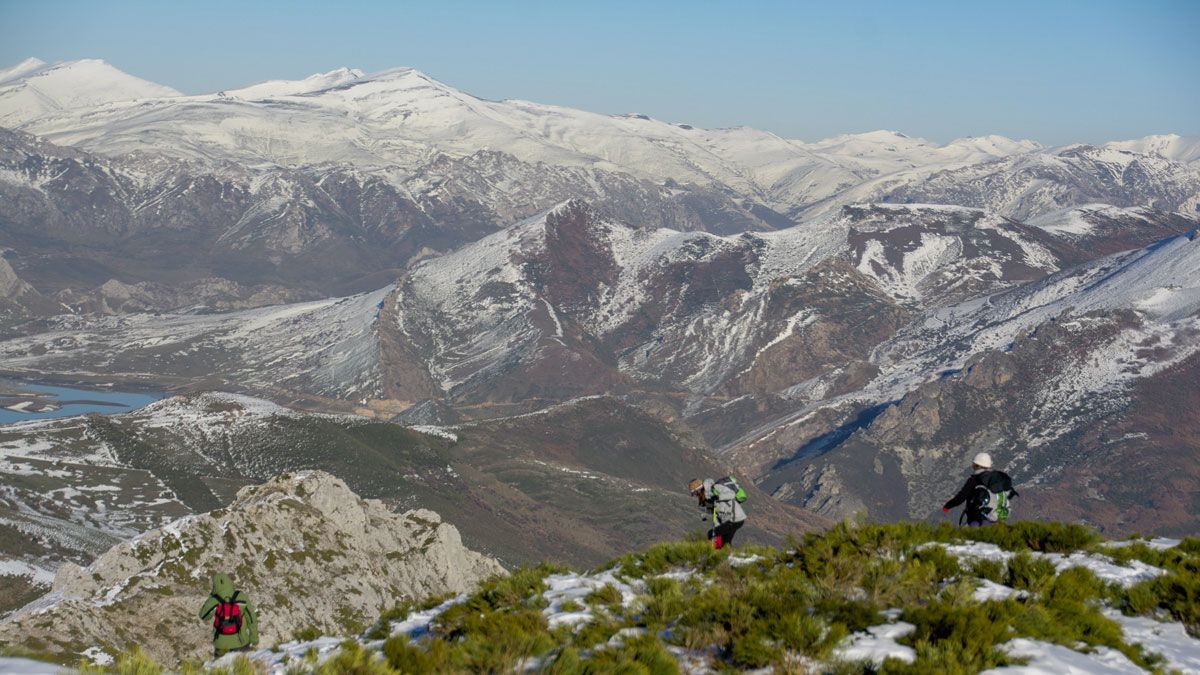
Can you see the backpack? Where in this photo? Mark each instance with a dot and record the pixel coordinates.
(993, 505)
(228, 619)
(731, 483)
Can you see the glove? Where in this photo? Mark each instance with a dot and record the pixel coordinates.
(945, 510)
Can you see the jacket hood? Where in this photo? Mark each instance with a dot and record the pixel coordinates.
(222, 586)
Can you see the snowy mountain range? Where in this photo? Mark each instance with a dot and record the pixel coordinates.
(397, 120)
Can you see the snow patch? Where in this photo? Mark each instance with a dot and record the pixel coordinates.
(878, 643)
(1168, 639)
(1052, 659)
(1102, 566)
(574, 587)
(990, 590)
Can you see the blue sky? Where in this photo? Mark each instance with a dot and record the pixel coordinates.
(1054, 71)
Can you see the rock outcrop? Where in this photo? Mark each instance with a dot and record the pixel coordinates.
(306, 550)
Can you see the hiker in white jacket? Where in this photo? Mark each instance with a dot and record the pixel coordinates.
(720, 498)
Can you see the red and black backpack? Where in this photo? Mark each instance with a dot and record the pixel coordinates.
(228, 619)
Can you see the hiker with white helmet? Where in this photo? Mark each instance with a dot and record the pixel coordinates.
(986, 494)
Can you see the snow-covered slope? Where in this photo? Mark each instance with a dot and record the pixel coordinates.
(933, 254)
(697, 310)
(327, 348)
(1160, 282)
(33, 88)
(276, 88)
(1171, 146)
(572, 277)
(402, 117)
(1029, 185)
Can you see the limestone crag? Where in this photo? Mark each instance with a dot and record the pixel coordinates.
(307, 550)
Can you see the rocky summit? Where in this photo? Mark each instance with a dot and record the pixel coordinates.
(303, 547)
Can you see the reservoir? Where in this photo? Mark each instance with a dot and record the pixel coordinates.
(21, 401)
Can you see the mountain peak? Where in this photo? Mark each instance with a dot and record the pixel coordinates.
(574, 205)
(21, 69)
(33, 89)
(311, 84)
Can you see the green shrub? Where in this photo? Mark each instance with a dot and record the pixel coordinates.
(640, 655)
(137, 662)
(431, 656)
(520, 590)
(1035, 536)
(1140, 598)
(1026, 572)
(987, 568)
(953, 638)
(497, 641)
(800, 631)
(523, 584)
(606, 596)
(718, 605)
(945, 564)
(754, 650)
(1122, 554)
(1189, 546)
(596, 632)
(854, 615)
(666, 556)
(566, 662)
(960, 592)
(1074, 585)
(665, 604)
(949, 657)
(306, 634)
(188, 667)
(1179, 594)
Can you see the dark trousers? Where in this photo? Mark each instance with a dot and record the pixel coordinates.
(722, 535)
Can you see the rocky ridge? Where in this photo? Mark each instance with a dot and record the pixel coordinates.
(306, 550)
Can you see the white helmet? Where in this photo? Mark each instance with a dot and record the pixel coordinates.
(983, 459)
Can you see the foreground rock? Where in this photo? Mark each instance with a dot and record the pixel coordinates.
(309, 552)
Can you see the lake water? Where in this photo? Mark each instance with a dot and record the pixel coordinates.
(75, 401)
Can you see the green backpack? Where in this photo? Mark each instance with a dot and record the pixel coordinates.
(730, 482)
(993, 505)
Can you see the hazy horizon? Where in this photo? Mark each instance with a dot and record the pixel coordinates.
(1056, 73)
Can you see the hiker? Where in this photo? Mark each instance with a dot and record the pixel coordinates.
(724, 499)
(235, 625)
(986, 494)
